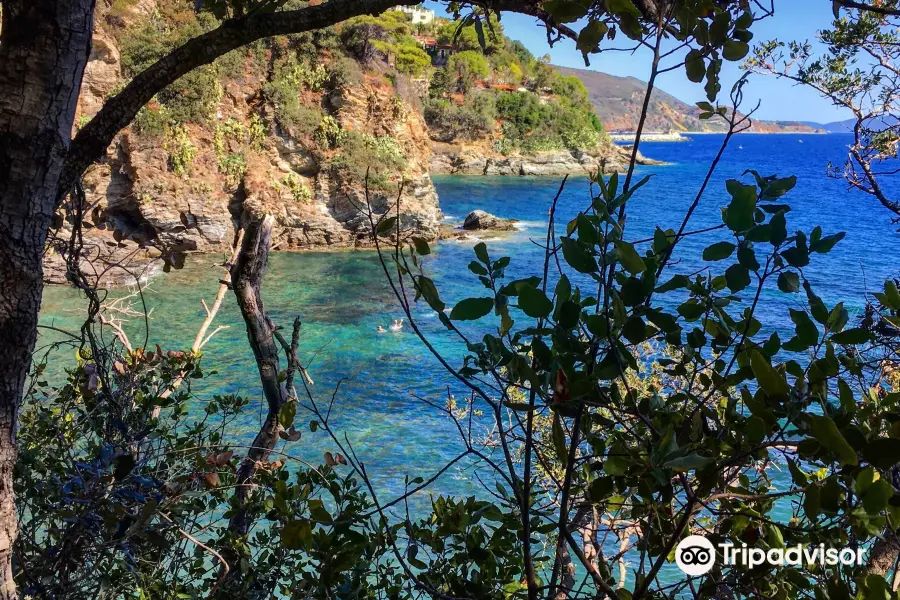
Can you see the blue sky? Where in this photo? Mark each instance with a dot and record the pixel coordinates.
(781, 100)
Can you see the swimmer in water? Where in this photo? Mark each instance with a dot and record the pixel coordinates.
(381, 329)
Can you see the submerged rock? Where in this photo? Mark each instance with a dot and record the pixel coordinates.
(481, 220)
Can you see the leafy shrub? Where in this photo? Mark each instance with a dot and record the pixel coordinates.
(474, 119)
(181, 151)
(344, 73)
(233, 166)
(440, 84)
(142, 47)
(122, 475)
(367, 37)
(152, 120)
(329, 133)
(292, 114)
(299, 191)
(468, 67)
(410, 58)
(360, 153)
(194, 97)
(532, 126)
(231, 65)
(257, 130)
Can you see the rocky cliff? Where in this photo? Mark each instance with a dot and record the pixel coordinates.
(160, 195)
(289, 126)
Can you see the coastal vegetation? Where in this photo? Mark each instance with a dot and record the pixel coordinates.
(536, 107)
(612, 401)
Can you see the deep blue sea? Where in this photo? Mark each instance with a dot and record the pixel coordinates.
(342, 297)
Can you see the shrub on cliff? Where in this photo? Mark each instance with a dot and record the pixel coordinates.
(468, 67)
(471, 120)
(410, 58)
(369, 37)
(361, 154)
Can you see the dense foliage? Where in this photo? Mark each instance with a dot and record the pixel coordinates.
(615, 397)
(492, 77)
(648, 404)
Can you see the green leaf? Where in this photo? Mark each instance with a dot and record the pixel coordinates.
(534, 302)
(734, 51)
(719, 251)
(297, 535)
(892, 295)
(590, 37)
(386, 225)
(578, 256)
(630, 259)
(769, 379)
(882, 453)
(789, 282)
(827, 434)
(877, 496)
(477, 268)
(807, 332)
(426, 288)
(694, 66)
(799, 478)
(691, 310)
(739, 214)
(812, 502)
(851, 337)
(677, 282)
(798, 256)
(479, 32)
(559, 438)
(737, 277)
(824, 245)
(774, 537)
(318, 512)
(421, 246)
(481, 253)
(566, 11)
(692, 461)
(287, 413)
(471, 309)
(747, 257)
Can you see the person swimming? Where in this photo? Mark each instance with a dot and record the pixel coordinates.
(381, 329)
(398, 325)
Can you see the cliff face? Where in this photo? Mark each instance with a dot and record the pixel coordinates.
(289, 127)
(156, 198)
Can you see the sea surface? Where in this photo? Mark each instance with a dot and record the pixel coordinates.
(342, 297)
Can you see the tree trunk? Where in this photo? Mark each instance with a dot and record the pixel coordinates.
(247, 277)
(44, 48)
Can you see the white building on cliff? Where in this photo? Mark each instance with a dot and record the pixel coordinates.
(418, 14)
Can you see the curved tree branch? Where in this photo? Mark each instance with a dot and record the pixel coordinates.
(92, 141)
(873, 7)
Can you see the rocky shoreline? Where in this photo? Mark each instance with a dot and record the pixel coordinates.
(163, 193)
(448, 159)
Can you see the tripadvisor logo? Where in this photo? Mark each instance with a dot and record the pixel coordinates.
(696, 555)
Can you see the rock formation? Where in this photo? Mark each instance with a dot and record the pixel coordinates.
(481, 220)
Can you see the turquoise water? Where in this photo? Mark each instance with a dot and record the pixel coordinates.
(342, 297)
